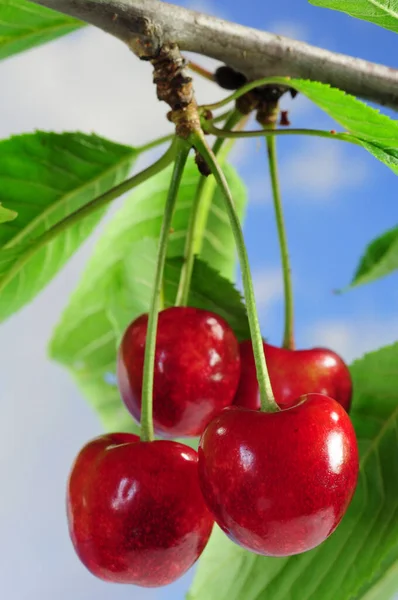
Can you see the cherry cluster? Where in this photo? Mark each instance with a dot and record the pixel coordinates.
(277, 483)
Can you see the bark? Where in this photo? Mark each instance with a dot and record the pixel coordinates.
(146, 25)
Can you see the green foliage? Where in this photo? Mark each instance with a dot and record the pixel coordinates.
(388, 156)
(376, 132)
(380, 259)
(117, 283)
(45, 177)
(381, 12)
(362, 555)
(357, 117)
(24, 25)
(6, 214)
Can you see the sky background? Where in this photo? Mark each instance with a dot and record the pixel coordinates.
(336, 197)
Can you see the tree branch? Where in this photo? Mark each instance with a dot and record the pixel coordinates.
(145, 25)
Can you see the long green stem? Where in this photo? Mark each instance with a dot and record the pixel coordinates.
(181, 154)
(285, 81)
(344, 137)
(268, 403)
(199, 213)
(232, 120)
(85, 211)
(288, 337)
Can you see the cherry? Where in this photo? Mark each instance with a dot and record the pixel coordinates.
(279, 483)
(293, 373)
(135, 510)
(197, 369)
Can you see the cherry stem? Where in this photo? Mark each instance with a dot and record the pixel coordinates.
(268, 403)
(199, 214)
(83, 212)
(344, 137)
(288, 337)
(247, 88)
(181, 150)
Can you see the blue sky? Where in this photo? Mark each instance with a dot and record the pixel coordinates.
(336, 199)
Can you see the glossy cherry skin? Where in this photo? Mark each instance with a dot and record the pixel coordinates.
(278, 484)
(135, 510)
(294, 373)
(197, 369)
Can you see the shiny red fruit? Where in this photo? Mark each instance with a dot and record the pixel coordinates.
(197, 369)
(279, 483)
(135, 510)
(294, 373)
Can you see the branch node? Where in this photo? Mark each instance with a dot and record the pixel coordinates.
(174, 86)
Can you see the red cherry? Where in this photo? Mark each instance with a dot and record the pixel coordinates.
(135, 510)
(279, 483)
(197, 369)
(294, 373)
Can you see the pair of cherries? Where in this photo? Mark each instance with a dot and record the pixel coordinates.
(277, 483)
(200, 369)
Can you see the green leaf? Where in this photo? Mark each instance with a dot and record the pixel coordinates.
(386, 587)
(362, 555)
(376, 132)
(6, 214)
(24, 25)
(45, 177)
(380, 12)
(357, 117)
(389, 156)
(116, 285)
(380, 259)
